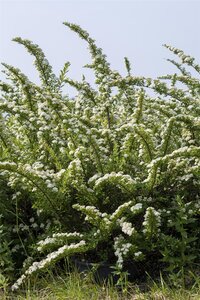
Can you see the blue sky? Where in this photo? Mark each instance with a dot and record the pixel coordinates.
(136, 29)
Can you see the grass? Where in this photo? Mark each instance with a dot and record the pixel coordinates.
(75, 286)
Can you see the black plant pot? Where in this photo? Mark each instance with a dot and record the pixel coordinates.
(103, 272)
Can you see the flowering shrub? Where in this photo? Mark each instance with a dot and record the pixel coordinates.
(115, 165)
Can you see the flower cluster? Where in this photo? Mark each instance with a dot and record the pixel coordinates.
(117, 178)
(121, 250)
(127, 227)
(152, 222)
(52, 257)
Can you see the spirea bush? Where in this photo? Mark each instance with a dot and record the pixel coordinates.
(115, 170)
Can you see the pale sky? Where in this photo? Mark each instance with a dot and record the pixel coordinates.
(136, 29)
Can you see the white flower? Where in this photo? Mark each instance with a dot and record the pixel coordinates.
(127, 228)
(136, 207)
(138, 253)
(93, 178)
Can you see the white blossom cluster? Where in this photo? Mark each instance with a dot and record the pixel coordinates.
(152, 221)
(105, 221)
(121, 250)
(119, 211)
(53, 256)
(56, 239)
(137, 207)
(126, 227)
(119, 178)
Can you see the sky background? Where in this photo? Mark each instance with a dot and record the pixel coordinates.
(136, 29)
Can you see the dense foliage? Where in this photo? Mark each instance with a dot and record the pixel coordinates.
(113, 173)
